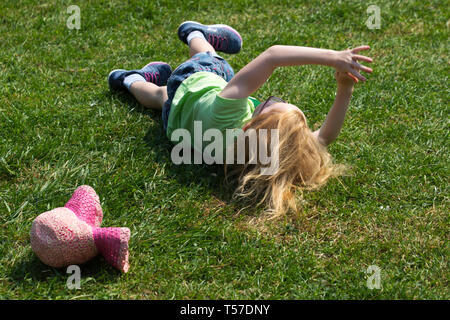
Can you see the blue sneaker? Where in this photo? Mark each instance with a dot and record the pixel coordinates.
(222, 37)
(154, 72)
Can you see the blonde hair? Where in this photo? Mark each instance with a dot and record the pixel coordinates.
(304, 163)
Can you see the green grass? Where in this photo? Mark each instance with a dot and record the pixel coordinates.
(60, 127)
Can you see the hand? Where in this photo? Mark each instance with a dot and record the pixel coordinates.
(344, 79)
(346, 62)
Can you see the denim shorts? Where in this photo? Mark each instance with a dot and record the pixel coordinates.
(203, 61)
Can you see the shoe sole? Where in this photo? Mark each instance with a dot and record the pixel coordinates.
(109, 75)
(216, 25)
(155, 63)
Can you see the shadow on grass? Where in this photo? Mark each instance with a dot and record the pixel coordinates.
(31, 268)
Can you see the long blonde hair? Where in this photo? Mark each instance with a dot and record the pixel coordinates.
(303, 163)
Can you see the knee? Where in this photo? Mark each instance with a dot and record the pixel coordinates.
(162, 93)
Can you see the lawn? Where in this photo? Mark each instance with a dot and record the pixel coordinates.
(61, 127)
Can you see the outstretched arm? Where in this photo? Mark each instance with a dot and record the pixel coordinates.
(253, 75)
(335, 117)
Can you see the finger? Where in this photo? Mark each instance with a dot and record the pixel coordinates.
(360, 48)
(362, 58)
(353, 77)
(357, 75)
(361, 67)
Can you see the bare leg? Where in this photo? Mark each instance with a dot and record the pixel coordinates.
(149, 94)
(198, 45)
(152, 96)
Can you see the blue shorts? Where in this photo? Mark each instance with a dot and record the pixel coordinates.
(203, 61)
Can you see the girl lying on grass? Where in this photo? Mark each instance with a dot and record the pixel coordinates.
(205, 89)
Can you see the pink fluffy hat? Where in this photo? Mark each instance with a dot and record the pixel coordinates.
(72, 234)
